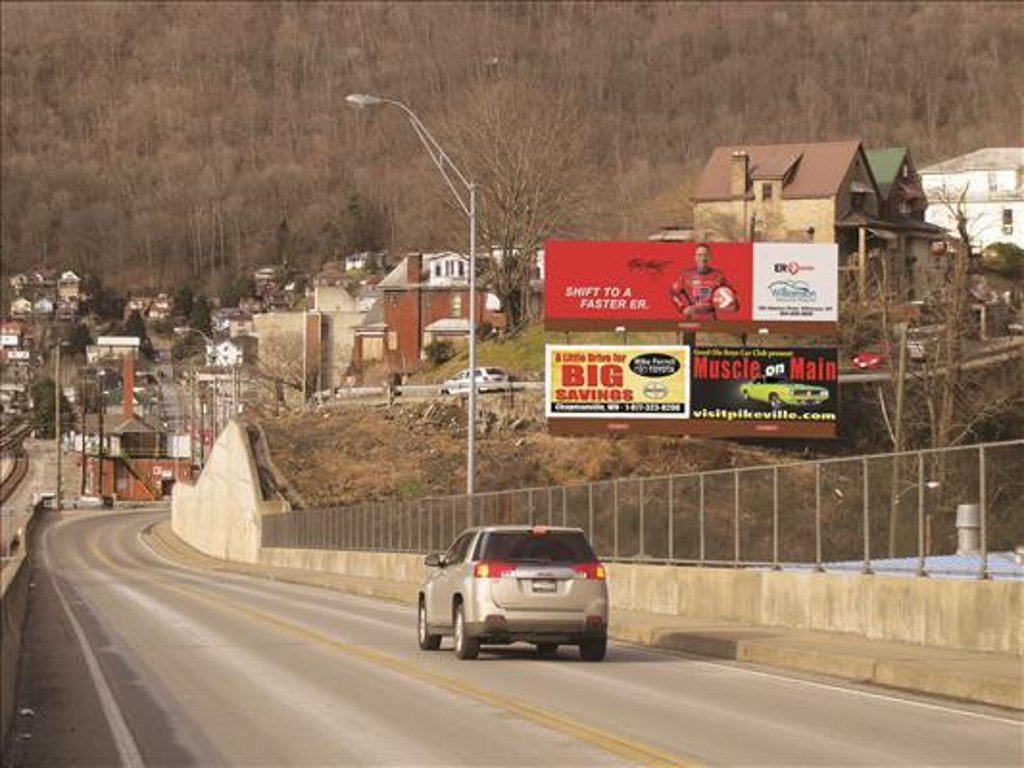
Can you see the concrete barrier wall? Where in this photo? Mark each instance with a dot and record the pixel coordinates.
(967, 614)
(220, 513)
(15, 578)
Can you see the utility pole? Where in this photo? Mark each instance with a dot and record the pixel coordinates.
(192, 418)
(56, 424)
(85, 411)
(103, 408)
(901, 383)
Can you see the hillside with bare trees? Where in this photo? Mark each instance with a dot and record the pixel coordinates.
(160, 143)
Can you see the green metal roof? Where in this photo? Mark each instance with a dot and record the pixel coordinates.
(885, 164)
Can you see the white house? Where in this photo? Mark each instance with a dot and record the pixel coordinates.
(993, 180)
(43, 306)
(225, 354)
(446, 268)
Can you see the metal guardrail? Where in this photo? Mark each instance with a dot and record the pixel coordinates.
(804, 513)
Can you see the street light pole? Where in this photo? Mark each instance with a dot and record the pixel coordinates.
(56, 423)
(467, 203)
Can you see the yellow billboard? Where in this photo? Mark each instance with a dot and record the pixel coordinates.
(591, 381)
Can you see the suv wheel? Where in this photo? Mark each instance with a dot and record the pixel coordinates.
(428, 642)
(466, 647)
(593, 650)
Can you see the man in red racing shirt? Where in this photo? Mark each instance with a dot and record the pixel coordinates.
(702, 290)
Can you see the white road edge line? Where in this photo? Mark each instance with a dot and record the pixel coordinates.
(666, 652)
(828, 686)
(123, 739)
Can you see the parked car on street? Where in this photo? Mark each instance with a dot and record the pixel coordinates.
(779, 392)
(487, 380)
(869, 359)
(502, 584)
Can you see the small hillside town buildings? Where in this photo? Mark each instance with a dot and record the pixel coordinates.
(69, 287)
(21, 307)
(990, 182)
(823, 192)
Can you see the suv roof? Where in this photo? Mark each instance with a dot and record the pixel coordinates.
(523, 527)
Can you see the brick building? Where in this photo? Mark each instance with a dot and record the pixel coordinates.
(423, 299)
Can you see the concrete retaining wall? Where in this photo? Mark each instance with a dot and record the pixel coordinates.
(220, 516)
(970, 615)
(220, 513)
(15, 578)
(967, 614)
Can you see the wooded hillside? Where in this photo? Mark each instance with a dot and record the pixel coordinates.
(157, 143)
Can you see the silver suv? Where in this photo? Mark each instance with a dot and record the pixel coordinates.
(502, 584)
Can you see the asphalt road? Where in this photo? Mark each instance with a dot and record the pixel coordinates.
(213, 669)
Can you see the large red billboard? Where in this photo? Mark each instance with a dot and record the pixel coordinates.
(689, 286)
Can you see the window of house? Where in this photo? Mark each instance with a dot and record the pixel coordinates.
(993, 181)
(904, 208)
(1007, 221)
(766, 191)
(857, 201)
(906, 171)
(457, 305)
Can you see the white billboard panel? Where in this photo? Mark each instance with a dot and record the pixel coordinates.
(796, 281)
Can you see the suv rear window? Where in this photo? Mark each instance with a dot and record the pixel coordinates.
(527, 547)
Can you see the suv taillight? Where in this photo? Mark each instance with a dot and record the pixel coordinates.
(594, 571)
(492, 570)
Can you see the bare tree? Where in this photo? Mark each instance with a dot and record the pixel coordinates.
(527, 153)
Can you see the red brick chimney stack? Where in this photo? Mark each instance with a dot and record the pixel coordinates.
(414, 268)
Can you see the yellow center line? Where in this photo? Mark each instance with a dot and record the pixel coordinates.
(628, 749)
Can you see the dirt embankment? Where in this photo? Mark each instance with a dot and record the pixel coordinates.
(360, 453)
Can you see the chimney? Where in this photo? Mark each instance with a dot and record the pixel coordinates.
(128, 387)
(414, 268)
(739, 167)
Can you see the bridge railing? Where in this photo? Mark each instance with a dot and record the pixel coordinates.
(909, 512)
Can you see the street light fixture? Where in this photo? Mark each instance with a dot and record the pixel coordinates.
(466, 198)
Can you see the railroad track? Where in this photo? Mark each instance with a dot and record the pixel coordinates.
(19, 469)
(11, 436)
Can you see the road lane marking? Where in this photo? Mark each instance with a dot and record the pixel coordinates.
(127, 749)
(616, 745)
(620, 746)
(737, 667)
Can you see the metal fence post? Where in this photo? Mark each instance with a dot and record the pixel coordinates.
(641, 517)
(590, 510)
(529, 508)
(736, 519)
(700, 523)
(565, 510)
(920, 516)
(866, 570)
(615, 519)
(671, 522)
(817, 519)
(551, 505)
(775, 518)
(982, 493)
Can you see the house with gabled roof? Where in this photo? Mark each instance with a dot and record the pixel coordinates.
(990, 183)
(815, 192)
(425, 298)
